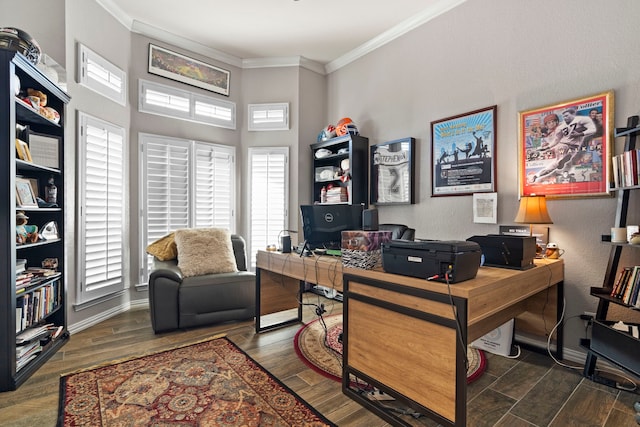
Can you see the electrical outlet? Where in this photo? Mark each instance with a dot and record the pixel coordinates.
(587, 317)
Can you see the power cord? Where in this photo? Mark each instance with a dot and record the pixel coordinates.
(633, 385)
(455, 315)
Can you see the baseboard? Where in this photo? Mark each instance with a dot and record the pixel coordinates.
(101, 317)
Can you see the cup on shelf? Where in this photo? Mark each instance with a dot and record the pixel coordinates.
(618, 234)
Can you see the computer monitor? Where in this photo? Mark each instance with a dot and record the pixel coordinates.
(322, 225)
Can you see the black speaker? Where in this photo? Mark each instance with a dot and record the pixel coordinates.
(285, 244)
(370, 219)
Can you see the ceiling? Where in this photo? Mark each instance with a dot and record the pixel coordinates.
(322, 31)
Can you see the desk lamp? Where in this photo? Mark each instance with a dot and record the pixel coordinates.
(533, 210)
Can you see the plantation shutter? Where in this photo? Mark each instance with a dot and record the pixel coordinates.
(268, 196)
(102, 208)
(214, 187)
(187, 184)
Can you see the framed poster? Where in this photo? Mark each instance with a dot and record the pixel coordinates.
(181, 68)
(463, 153)
(564, 149)
(393, 172)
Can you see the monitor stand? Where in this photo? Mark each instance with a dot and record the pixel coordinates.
(306, 249)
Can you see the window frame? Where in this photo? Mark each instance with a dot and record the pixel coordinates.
(85, 55)
(85, 295)
(190, 147)
(268, 125)
(193, 98)
(253, 246)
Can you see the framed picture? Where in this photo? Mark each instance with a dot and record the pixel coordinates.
(22, 150)
(45, 149)
(564, 150)
(34, 187)
(393, 172)
(485, 208)
(463, 153)
(181, 68)
(24, 193)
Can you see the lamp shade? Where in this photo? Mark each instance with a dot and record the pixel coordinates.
(533, 210)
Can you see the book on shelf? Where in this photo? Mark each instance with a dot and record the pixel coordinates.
(626, 296)
(626, 286)
(32, 334)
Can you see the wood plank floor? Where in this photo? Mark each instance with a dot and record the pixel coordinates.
(529, 391)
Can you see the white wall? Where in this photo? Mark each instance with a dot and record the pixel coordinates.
(519, 55)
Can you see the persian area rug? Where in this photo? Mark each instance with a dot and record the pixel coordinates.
(325, 357)
(211, 383)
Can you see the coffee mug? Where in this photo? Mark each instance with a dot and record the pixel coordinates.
(553, 251)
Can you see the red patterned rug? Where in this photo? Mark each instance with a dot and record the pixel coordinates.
(212, 383)
(325, 356)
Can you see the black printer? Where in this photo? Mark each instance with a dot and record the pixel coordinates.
(432, 259)
(505, 251)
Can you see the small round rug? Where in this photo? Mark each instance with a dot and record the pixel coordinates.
(325, 356)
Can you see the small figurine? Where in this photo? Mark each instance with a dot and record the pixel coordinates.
(25, 233)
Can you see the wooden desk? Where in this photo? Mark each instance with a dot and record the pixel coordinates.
(400, 333)
(280, 280)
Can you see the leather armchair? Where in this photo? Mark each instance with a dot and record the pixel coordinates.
(398, 231)
(177, 302)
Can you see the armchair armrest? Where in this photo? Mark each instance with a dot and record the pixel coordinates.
(167, 269)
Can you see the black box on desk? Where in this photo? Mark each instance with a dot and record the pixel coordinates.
(619, 346)
(425, 259)
(515, 252)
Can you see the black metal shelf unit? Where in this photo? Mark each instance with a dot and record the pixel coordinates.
(616, 346)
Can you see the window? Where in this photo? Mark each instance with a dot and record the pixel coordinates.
(101, 204)
(269, 116)
(100, 75)
(172, 102)
(268, 193)
(185, 184)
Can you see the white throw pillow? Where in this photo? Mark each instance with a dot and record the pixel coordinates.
(205, 251)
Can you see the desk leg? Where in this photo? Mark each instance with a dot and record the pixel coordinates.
(277, 298)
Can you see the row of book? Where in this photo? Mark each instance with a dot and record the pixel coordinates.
(627, 286)
(35, 306)
(34, 276)
(626, 168)
(31, 342)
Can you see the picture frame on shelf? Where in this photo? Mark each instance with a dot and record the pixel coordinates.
(564, 149)
(22, 150)
(181, 68)
(393, 172)
(45, 149)
(34, 187)
(24, 193)
(463, 153)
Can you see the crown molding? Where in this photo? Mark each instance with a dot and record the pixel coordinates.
(288, 61)
(115, 11)
(392, 34)
(162, 35)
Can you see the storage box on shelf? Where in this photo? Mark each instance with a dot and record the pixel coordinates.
(617, 346)
(340, 167)
(32, 256)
